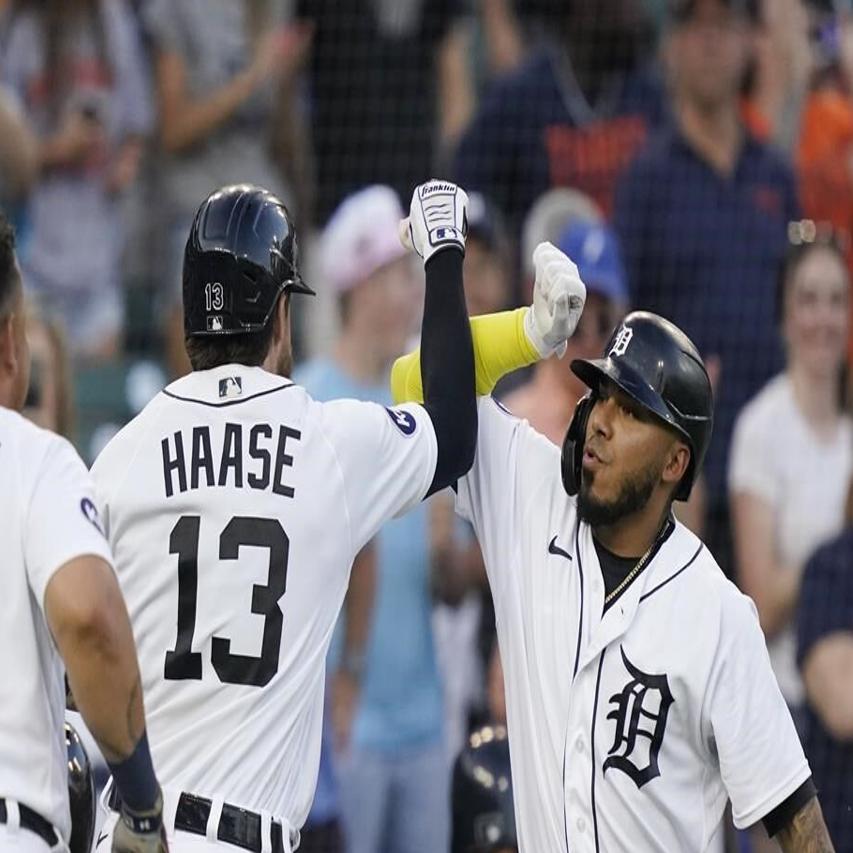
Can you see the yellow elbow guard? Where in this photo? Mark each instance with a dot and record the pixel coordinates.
(500, 346)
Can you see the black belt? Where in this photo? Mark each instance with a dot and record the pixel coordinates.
(237, 826)
(34, 822)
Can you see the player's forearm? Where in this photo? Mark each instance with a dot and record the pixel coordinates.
(96, 643)
(88, 619)
(447, 364)
(806, 832)
(500, 347)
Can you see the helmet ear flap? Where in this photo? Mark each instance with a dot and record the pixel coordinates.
(572, 453)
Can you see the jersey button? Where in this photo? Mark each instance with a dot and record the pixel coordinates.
(579, 744)
(581, 824)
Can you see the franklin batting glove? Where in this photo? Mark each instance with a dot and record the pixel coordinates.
(437, 219)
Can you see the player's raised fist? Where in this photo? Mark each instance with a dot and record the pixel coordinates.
(436, 220)
(558, 299)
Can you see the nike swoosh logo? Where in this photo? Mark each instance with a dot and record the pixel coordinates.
(101, 837)
(553, 548)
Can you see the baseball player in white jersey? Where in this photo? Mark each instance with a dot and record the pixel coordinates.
(640, 695)
(60, 604)
(235, 505)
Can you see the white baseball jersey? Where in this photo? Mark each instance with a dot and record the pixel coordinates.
(47, 518)
(628, 731)
(235, 505)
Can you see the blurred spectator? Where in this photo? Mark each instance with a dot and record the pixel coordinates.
(389, 88)
(702, 216)
(49, 401)
(825, 657)
(18, 150)
(573, 114)
(548, 400)
(392, 766)
(486, 271)
(225, 74)
(781, 73)
(792, 449)
(77, 70)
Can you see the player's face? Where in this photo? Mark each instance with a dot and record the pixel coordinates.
(626, 455)
(816, 313)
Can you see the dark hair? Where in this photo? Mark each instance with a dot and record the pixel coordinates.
(9, 277)
(804, 236)
(208, 351)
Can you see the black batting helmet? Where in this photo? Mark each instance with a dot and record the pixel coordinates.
(240, 255)
(483, 816)
(81, 793)
(655, 363)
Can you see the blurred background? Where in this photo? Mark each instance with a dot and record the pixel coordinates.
(694, 157)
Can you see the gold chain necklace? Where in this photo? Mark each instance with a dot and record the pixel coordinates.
(641, 564)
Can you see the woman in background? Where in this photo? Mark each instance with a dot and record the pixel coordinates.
(792, 453)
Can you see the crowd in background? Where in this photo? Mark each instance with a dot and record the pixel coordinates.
(694, 157)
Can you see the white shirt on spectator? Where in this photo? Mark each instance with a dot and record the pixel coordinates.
(777, 457)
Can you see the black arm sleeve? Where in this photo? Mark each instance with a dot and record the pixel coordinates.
(447, 369)
(785, 812)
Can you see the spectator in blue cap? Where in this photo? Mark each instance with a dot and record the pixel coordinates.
(549, 399)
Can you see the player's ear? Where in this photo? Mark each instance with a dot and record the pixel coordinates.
(678, 460)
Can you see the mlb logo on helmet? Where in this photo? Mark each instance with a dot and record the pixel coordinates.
(214, 324)
(620, 345)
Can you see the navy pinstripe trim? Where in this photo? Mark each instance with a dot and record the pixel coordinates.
(229, 402)
(574, 673)
(565, 816)
(592, 749)
(687, 565)
(580, 616)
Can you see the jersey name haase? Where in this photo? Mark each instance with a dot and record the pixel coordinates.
(191, 463)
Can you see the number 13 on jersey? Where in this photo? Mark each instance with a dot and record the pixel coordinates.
(182, 662)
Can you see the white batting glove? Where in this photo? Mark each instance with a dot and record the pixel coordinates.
(558, 299)
(436, 220)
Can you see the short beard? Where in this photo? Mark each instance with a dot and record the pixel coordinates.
(633, 496)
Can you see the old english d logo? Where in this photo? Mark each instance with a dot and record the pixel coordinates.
(639, 712)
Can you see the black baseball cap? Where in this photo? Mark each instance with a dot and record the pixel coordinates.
(681, 11)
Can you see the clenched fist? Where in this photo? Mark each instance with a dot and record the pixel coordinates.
(558, 299)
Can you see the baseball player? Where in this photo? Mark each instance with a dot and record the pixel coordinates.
(235, 505)
(60, 603)
(639, 691)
